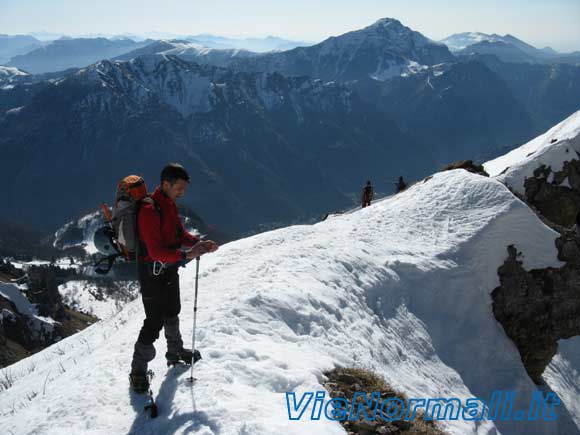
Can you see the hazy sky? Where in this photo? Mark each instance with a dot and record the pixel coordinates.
(539, 22)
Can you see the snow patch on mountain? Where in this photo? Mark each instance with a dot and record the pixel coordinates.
(184, 86)
(559, 144)
(40, 325)
(89, 297)
(10, 71)
(79, 233)
(10, 76)
(190, 51)
(461, 41)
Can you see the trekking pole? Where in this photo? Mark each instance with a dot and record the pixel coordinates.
(191, 379)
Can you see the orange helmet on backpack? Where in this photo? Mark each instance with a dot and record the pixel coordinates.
(133, 185)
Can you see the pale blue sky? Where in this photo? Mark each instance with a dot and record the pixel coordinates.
(539, 22)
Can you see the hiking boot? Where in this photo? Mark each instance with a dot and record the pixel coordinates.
(184, 356)
(139, 382)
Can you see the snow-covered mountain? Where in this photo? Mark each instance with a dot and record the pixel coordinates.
(401, 288)
(246, 138)
(451, 109)
(190, 51)
(207, 40)
(80, 232)
(67, 53)
(269, 43)
(507, 48)
(382, 50)
(9, 76)
(504, 51)
(460, 41)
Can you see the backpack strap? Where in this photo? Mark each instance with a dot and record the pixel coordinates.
(141, 249)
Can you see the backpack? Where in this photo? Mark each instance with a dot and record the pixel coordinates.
(131, 193)
(120, 238)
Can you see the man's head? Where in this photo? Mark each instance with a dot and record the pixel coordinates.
(174, 180)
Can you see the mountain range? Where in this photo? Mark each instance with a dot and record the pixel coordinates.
(507, 48)
(67, 53)
(278, 137)
(271, 148)
(14, 45)
(40, 56)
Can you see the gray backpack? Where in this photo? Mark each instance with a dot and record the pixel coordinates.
(120, 236)
(131, 195)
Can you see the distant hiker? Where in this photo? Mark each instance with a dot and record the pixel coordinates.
(400, 185)
(367, 194)
(161, 235)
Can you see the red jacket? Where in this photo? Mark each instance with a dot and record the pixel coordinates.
(163, 235)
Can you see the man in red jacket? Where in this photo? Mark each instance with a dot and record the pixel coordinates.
(162, 237)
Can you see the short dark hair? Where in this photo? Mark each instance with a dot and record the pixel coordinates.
(173, 172)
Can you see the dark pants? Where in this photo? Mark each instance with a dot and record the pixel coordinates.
(161, 300)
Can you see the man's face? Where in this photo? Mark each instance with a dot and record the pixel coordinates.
(175, 190)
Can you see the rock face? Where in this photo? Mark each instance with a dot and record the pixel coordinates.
(539, 307)
(343, 383)
(556, 195)
(468, 165)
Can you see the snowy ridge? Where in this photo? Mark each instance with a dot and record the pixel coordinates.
(10, 71)
(461, 41)
(9, 76)
(559, 144)
(79, 232)
(191, 51)
(401, 287)
(195, 51)
(193, 88)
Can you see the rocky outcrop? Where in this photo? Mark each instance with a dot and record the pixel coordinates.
(343, 383)
(468, 165)
(556, 195)
(539, 307)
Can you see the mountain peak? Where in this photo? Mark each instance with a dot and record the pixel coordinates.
(384, 22)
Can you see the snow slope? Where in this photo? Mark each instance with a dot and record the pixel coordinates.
(559, 144)
(401, 287)
(90, 297)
